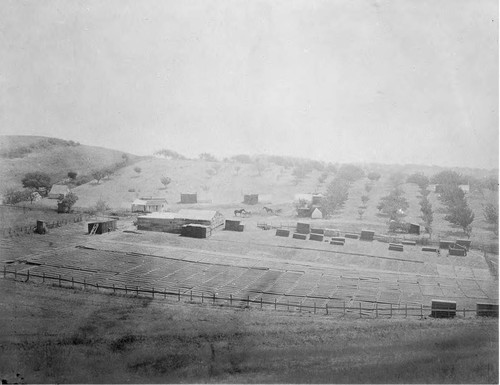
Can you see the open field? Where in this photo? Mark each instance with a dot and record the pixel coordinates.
(68, 336)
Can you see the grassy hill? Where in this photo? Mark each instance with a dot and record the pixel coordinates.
(56, 157)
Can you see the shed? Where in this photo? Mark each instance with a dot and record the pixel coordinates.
(464, 243)
(487, 310)
(251, 199)
(443, 309)
(303, 212)
(102, 226)
(367, 235)
(189, 198)
(303, 228)
(196, 231)
(149, 205)
(413, 228)
(317, 199)
(58, 191)
(316, 214)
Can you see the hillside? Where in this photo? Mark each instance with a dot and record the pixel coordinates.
(56, 157)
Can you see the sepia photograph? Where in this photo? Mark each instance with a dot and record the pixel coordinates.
(267, 191)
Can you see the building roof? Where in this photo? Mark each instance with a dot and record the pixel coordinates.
(200, 215)
(59, 189)
(149, 202)
(203, 215)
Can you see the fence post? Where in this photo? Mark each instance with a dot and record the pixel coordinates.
(97, 286)
(326, 307)
(164, 293)
(421, 311)
(114, 290)
(406, 310)
(4, 270)
(201, 297)
(464, 312)
(59, 280)
(300, 307)
(28, 278)
(344, 307)
(360, 310)
(391, 310)
(248, 301)
(15, 274)
(376, 310)
(43, 278)
(314, 307)
(275, 304)
(231, 299)
(213, 301)
(84, 282)
(137, 291)
(261, 302)
(191, 296)
(288, 305)
(152, 292)
(126, 289)
(72, 283)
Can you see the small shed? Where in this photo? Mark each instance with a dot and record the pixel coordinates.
(316, 214)
(58, 191)
(443, 309)
(102, 226)
(303, 228)
(149, 205)
(413, 228)
(251, 199)
(196, 231)
(367, 235)
(317, 199)
(189, 198)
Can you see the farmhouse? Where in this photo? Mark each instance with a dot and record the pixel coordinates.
(173, 222)
(149, 205)
(58, 191)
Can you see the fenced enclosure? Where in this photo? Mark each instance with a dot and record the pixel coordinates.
(341, 308)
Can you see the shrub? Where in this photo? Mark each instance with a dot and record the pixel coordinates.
(137, 170)
(65, 204)
(374, 176)
(207, 157)
(350, 172)
(72, 175)
(36, 181)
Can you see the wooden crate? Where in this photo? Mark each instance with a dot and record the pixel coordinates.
(446, 244)
(318, 231)
(338, 243)
(409, 243)
(443, 309)
(430, 249)
(299, 236)
(395, 247)
(303, 228)
(331, 233)
(351, 236)
(282, 233)
(459, 252)
(367, 235)
(316, 237)
(338, 239)
(487, 310)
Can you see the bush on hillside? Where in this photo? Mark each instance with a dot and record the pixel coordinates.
(350, 172)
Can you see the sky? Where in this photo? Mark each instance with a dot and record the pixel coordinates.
(399, 81)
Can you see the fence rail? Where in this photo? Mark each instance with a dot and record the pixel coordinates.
(342, 308)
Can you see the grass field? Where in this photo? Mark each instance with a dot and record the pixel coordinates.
(62, 336)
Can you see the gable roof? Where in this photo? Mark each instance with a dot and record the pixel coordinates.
(59, 189)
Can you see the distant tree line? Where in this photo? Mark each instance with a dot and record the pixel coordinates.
(42, 144)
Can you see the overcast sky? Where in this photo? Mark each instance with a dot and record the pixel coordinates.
(395, 81)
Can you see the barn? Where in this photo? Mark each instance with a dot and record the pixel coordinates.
(173, 222)
(58, 191)
(149, 205)
(189, 198)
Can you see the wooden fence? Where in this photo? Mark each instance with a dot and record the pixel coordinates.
(26, 230)
(343, 308)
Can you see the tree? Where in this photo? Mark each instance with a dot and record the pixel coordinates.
(261, 166)
(72, 175)
(375, 176)
(64, 205)
(448, 177)
(394, 204)
(397, 178)
(336, 195)
(361, 211)
(365, 199)
(208, 157)
(490, 211)
(36, 181)
(350, 172)
(13, 196)
(427, 214)
(97, 175)
(242, 158)
(165, 181)
(137, 170)
(237, 169)
(101, 206)
(452, 196)
(419, 179)
(216, 167)
(461, 216)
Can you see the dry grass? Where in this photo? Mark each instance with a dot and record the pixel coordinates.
(57, 335)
